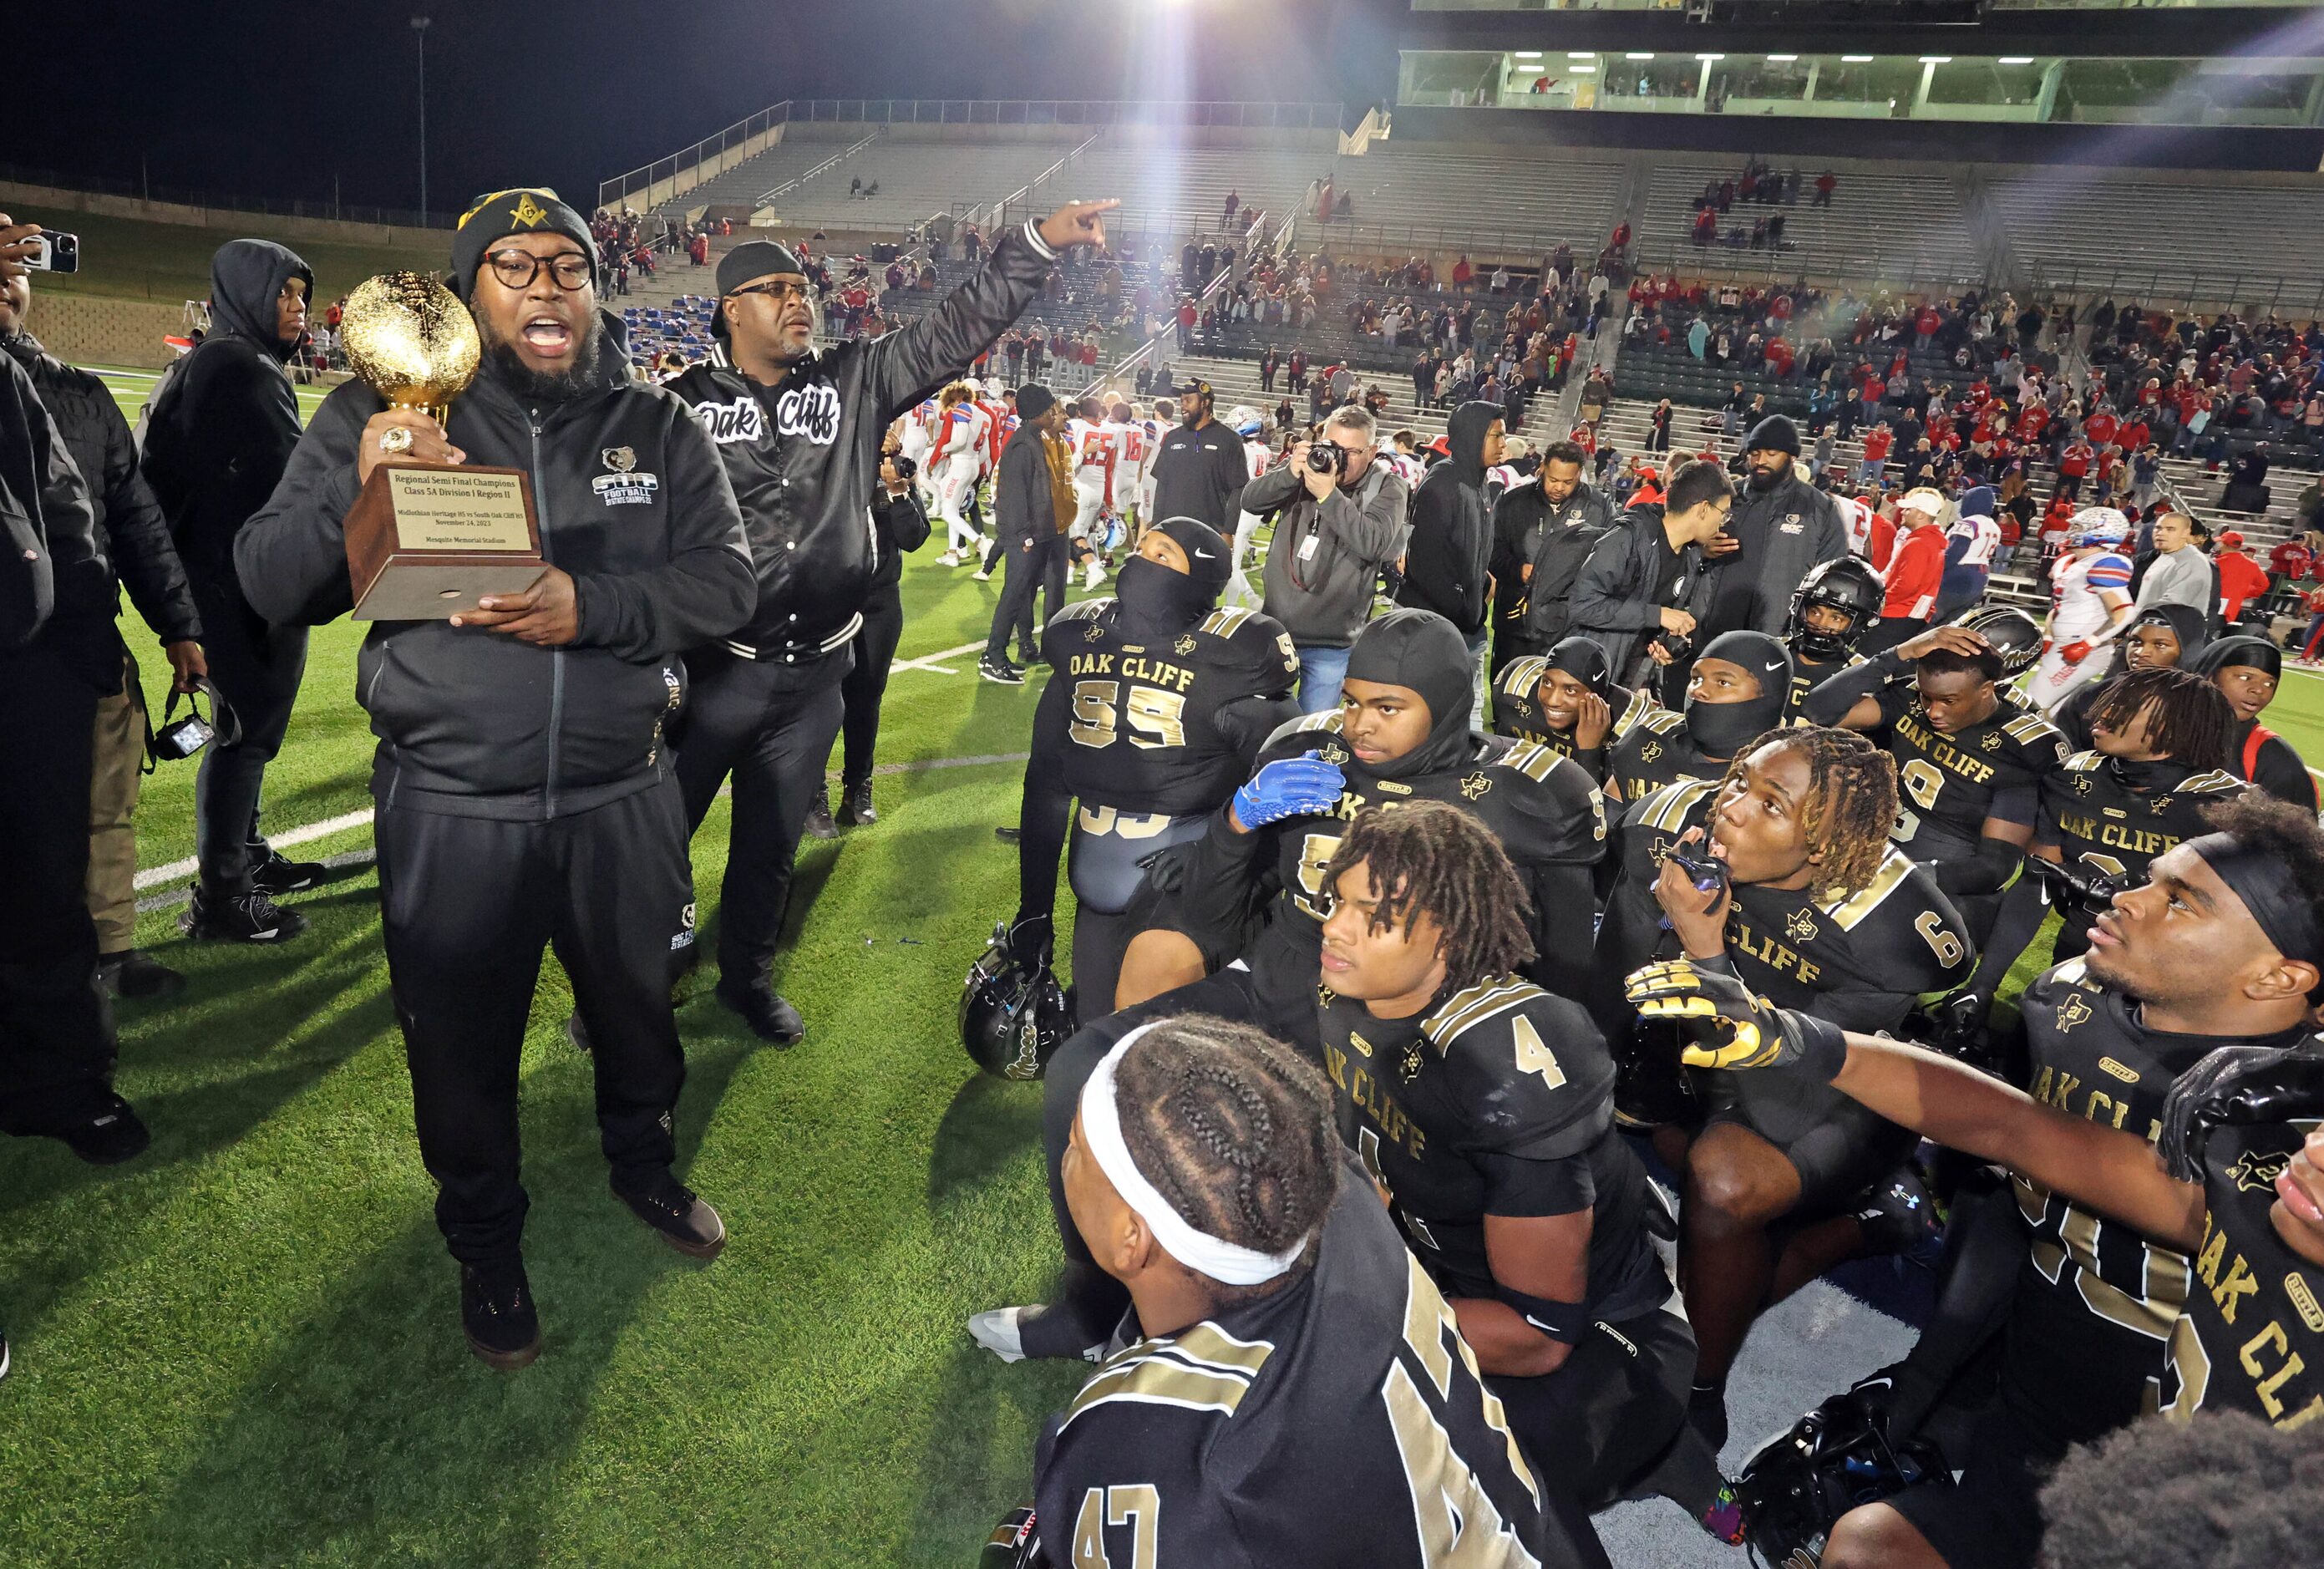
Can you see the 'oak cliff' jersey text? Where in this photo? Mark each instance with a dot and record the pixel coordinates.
(2251, 1337)
(2094, 1301)
(1498, 1100)
(1947, 786)
(1340, 1423)
(2095, 819)
(1656, 751)
(1150, 728)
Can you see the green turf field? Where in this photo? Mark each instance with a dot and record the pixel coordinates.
(171, 262)
(243, 1347)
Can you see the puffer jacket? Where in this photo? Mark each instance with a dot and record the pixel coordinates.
(804, 454)
(632, 501)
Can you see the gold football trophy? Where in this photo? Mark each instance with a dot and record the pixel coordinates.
(427, 540)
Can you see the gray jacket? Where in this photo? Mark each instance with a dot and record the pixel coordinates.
(1324, 564)
(1785, 531)
(1627, 583)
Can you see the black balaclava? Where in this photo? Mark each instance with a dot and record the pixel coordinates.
(1583, 659)
(1465, 434)
(1156, 602)
(2186, 624)
(1722, 730)
(247, 279)
(2253, 652)
(1420, 650)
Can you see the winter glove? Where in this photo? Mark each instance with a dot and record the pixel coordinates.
(1289, 787)
(2075, 652)
(2077, 882)
(1032, 941)
(1733, 1029)
(1166, 868)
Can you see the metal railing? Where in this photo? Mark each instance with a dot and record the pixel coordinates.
(2188, 286)
(332, 209)
(1911, 269)
(836, 159)
(682, 170)
(1018, 205)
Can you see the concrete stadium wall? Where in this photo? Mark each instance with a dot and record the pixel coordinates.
(224, 220)
(96, 329)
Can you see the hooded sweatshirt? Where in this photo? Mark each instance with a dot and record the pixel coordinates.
(2072, 716)
(2258, 753)
(1446, 564)
(1969, 545)
(222, 423)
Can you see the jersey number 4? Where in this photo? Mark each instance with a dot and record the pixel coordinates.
(1137, 1505)
(1157, 717)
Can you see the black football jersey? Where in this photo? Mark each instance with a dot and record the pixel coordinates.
(1339, 1423)
(1806, 673)
(1498, 1099)
(2251, 1337)
(2091, 816)
(1657, 751)
(1143, 733)
(1545, 809)
(1947, 786)
(2095, 1301)
(1516, 706)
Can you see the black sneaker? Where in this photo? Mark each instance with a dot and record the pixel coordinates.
(999, 670)
(818, 816)
(1900, 1217)
(244, 917)
(278, 874)
(671, 1208)
(1706, 1409)
(578, 1033)
(138, 976)
(855, 808)
(770, 1017)
(496, 1311)
(106, 1131)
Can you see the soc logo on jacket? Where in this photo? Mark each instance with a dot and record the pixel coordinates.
(623, 487)
(726, 423)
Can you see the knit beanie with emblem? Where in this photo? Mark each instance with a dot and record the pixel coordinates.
(524, 210)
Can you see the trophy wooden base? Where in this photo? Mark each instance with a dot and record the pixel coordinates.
(426, 541)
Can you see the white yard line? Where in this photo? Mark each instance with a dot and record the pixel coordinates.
(935, 662)
(288, 838)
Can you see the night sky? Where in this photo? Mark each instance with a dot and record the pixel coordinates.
(259, 99)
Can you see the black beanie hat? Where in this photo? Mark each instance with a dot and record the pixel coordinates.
(2254, 652)
(1584, 659)
(1033, 401)
(1774, 434)
(1421, 650)
(1207, 555)
(521, 211)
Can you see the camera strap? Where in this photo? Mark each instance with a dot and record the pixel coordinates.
(227, 729)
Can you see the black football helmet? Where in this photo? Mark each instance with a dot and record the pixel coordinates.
(1013, 1013)
(1847, 583)
(1015, 1543)
(2014, 635)
(1837, 1457)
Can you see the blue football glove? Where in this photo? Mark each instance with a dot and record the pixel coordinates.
(1289, 787)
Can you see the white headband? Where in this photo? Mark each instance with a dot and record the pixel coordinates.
(1202, 1253)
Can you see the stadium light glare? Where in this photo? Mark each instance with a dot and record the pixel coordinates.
(1784, 56)
(2016, 59)
(1710, 57)
(1647, 56)
(1855, 58)
(1581, 67)
(1582, 54)
(1936, 59)
(1528, 54)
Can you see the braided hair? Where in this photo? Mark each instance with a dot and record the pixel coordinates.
(1235, 1130)
(2193, 722)
(1436, 860)
(1851, 806)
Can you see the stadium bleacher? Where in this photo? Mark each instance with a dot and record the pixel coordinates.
(1882, 224)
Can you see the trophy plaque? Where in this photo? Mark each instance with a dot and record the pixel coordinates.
(425, 541)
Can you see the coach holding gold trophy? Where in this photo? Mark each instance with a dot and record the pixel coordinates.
(523, 787)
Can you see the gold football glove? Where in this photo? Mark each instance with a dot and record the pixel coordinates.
(1731, 1027)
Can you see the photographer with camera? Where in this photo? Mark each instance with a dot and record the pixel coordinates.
(133, 536)
(58, 654)
(1340, 519)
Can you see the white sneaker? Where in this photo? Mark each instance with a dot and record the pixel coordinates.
(949, 559)
(996, 1330)
(1093, 576)
(981, 575)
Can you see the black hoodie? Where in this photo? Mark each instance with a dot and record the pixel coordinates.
(224, 421)
(1446, 565)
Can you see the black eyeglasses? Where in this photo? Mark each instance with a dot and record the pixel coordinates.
(516, 269)
(780, 293)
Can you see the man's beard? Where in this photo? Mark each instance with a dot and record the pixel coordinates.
(1766, 479)
(532, 387)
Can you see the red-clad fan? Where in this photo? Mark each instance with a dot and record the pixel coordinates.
(2241, 578)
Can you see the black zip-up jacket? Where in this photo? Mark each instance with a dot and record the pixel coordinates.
(132, 534)
(53, 581)
(223, 422)
(1024, 504)
(804, 454)
(898, 523)
(632, 501)
(1621, 591)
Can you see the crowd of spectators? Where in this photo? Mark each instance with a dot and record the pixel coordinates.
(1756, 185)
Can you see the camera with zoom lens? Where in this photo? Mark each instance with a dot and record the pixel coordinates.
(1325, 457)
(905, 468)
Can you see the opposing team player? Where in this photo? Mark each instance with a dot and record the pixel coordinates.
(1401, 734)
(1740, 688)
(1566, 699)
(2183, 1283)
(1970, 759)
(1247, 423)
(1157, 702)
(2090, 599)
(1781, 873)
(1483, 1108)
(1096, 449)
(954, 467)
(1294, 1389)
(2246, 671)
(1832, 609)
(1133, 450)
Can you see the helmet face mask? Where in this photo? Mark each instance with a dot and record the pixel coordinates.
(2098, 526)
(1012, 1019)
(1844, 583)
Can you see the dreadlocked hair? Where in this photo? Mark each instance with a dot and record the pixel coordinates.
(1851, 806)
(1235, 1130)
(1436, 860)
(2223, 1490)
(2191, 724)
